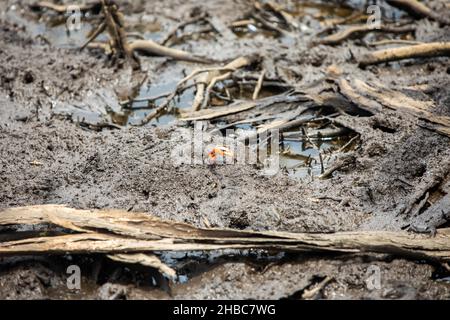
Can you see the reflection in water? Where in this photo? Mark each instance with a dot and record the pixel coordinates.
(144, 102)
(301, 159)
(298, 157)
(319, 10)
(53, 29)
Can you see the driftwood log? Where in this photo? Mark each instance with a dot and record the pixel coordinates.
(118, 232)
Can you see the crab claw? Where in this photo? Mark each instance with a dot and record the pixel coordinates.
(221, 151)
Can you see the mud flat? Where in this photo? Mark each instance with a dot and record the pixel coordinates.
(80, 128)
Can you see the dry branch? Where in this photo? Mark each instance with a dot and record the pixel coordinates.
(393, 41)
(287, 17)
(114, 23)
(259, 85)
(240, 106)
(360, 101)
(426, 50)
(341, 162)
(417, 9)
(216, 112)
(181, 25)
(214, 76)
(152, 48)
(148, 260)
(359, 31)
(208, 76)
(116, 231)
(60, 8)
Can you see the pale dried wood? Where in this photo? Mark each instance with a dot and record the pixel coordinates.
(370, 96)
(418, 9)
(359, 31)
(118, 231)
(145, 259)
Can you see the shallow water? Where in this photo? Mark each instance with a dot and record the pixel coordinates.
(300, 159)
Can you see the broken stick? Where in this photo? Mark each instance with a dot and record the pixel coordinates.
(259, 85)
(417, 9)
(426, 50)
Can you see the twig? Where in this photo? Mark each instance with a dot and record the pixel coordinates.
(155, 112)
(309, 294)
(181, 25)
(159, 96)
(393, 41)
(212, 75)
(287, 17)
(101, 27)
(339, 163)
(359, 31)
(259, 85)
(322, 168)
(426, 50)
(418, 9)
(270, 25)
(348, 143)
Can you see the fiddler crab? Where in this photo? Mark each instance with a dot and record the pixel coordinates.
(219, 151)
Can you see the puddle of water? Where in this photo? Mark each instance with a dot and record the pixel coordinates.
(140, 107)
(189, 264)
(299, 156)
(242, 91)
(53, 29)
(301, 159)
(253, 30)
(320, 11)
(193, 32)
(150, 30)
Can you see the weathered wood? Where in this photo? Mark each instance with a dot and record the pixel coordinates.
(239, 106)
(359, 31)
(147, 260)
(152, 48)
(208, 114)
(116, 231)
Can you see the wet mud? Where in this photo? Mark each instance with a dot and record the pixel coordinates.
(69, 135)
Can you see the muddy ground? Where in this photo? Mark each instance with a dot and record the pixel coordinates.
(47, 155)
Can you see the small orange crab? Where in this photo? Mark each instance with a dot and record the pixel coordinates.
(219, 151)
